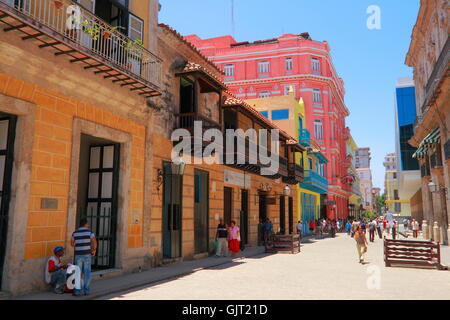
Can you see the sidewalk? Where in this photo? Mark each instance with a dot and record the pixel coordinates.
(112, 285)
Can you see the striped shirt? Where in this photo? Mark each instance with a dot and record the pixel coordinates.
(82, 238)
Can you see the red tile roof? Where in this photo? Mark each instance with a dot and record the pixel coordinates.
(183, 39)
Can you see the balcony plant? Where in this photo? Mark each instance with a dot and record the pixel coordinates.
(92, 31)
(107, 33)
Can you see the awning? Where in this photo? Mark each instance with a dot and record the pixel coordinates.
(427, 143)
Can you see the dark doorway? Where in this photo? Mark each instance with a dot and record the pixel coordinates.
(114, 12)
(98, 182)
(227, 205)
(282, 215)
(291, 215)
(7, 135)
(201, 209)
(172, 216)
(187, 96)
(262, 206)
(244, 216)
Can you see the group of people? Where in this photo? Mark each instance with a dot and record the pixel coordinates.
(228, 238)
(73, 278)
(321, 227)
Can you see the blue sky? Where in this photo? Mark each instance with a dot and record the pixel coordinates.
(369, 61)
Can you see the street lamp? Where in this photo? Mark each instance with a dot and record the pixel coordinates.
(178, 165)
(286, 190)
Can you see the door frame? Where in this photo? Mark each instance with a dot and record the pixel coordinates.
(244, 235)
(81, 126)
(282, 214)
(231, 205)
(7, 185)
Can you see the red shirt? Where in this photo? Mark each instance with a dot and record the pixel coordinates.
(312, 224)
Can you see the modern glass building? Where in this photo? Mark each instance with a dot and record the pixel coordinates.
(407, 167)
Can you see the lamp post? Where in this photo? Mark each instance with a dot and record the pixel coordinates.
(286, 190)
(435, 188)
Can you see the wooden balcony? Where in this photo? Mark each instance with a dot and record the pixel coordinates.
(71, 31)
(295, 174)
(187, 121)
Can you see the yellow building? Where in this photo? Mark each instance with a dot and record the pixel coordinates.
(289, 114)
(355, 200)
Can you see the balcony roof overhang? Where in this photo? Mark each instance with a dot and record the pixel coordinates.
(46, 37)
(209, 83)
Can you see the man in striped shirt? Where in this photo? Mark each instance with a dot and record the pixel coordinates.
(85, 247)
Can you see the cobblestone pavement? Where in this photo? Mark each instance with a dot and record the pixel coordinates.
(325, 269)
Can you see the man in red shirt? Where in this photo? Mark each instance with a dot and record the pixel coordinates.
(312, 226)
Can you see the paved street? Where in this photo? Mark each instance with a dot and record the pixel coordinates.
(325, 269)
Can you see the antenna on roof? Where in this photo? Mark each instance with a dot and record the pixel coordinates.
(232, 18)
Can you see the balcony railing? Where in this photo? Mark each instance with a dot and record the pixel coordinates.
(439, 71)
(305, 138)
(187, 121)
(77, 28)
(315, 182)
(295, 174)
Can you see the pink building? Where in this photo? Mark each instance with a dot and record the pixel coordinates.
(268, 68)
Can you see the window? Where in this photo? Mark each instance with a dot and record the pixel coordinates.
(265, 114)
(289, 64)
(394, 175)
(229, 70)
(280, 114)
(332, 130)
(317, 97)
(263, 66)
(318, 129)
(310, 164)
(315, 65)
(264, 94)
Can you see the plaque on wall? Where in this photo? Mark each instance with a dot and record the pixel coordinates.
(270, 201)
(237, 178)
(49, 204)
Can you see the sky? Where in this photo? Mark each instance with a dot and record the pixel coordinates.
(369, 61)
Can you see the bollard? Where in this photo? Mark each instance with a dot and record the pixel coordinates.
(425, 230)
(436, 232)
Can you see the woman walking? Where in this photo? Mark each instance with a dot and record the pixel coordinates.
(361, 243)
(234, 237)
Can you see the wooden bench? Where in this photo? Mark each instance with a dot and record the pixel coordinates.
(413, 253)
(284, 243)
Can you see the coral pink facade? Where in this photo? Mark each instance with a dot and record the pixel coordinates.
(269, 68)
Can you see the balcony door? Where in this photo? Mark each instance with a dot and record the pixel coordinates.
(7, 133)
(85, 39)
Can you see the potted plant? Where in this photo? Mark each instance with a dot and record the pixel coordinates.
(107, 33)
(58, 4)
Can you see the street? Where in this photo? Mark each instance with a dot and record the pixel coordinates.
(325, 269)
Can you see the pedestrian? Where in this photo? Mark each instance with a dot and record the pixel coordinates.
(384, 225)
(379, 226)
(338, 226)
(363, 226)
(394, 231)
(354, 227)
(348, 227)
(361, 243)
(268, 226)
(299, 228)
(85, 247)
(372, 226)
(405, 225)
(234, 238)
(55, 271)
(415, 228)
(312, 226)
(221, 238)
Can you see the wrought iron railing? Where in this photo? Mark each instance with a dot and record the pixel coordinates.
(187, 121)
(85, 29)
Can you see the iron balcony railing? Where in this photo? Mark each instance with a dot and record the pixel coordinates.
(89, 31)
(187, 121)
(315, 180)
(440, 70)
(304, 137)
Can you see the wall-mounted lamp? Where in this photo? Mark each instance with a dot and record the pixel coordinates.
(434, 188)
(286, 190)
(177, 167)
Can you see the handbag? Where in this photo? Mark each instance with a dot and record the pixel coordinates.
(239, 238)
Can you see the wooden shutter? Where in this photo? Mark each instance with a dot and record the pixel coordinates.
(135, 27)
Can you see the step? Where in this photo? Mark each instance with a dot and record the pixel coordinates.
(5, 295)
